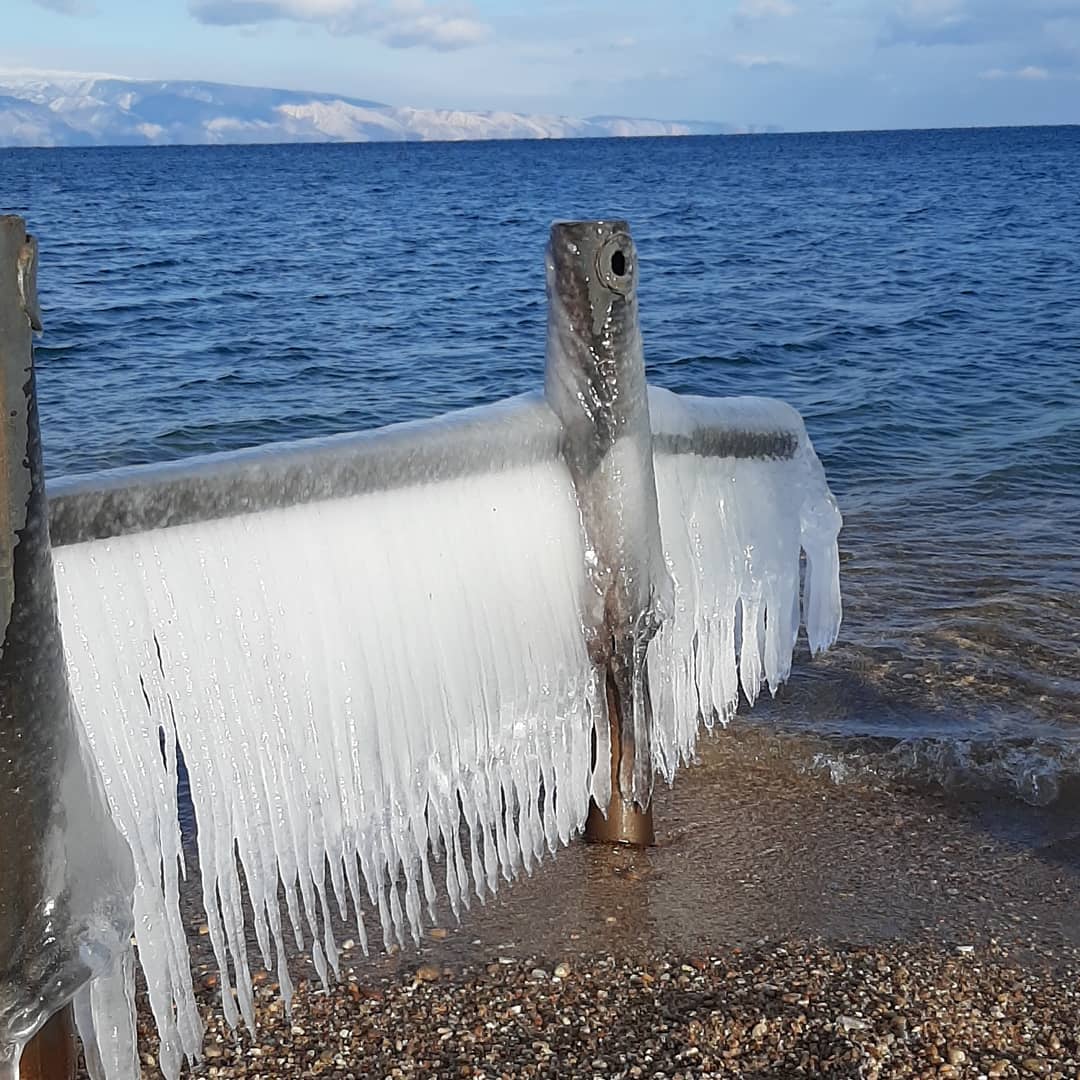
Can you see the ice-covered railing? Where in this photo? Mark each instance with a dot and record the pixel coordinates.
(350, 678)
(741, 492)
(400, 661)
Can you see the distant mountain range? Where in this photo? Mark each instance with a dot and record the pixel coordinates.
(67, 109)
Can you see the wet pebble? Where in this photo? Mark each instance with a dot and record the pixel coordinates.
(784, 1009)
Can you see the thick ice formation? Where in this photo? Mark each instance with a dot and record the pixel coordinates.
(65, 873)
(595, 384)
(741, 493)
(351, 680)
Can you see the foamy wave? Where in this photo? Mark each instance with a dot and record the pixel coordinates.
(1037, 772)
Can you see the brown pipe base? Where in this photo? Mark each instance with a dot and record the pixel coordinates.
(624, 824)
(52, 1053)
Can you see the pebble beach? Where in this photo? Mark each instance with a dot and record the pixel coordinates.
(789, 1009)
(783, 926)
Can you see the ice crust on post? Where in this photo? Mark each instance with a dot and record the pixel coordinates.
(65, 873)
(595, 383)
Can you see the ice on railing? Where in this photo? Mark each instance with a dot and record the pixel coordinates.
(741, 494)
(349, 681)
(359, 683)
(385, 658)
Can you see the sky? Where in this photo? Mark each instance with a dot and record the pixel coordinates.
(800, 65)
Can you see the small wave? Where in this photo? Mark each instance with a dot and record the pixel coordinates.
(162, 263)
(1040, 773)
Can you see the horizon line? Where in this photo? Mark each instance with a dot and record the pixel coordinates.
(554, 139)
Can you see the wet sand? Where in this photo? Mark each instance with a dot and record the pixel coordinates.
(783, 926)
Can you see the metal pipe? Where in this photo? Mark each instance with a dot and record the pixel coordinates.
(52, 1053)
(137, 498)
(506, 434)
(621, 821)
(594, 380)
(33, 696)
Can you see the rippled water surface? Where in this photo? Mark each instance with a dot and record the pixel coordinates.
(915, 294)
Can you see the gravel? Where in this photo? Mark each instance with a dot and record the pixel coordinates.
(772, 1010)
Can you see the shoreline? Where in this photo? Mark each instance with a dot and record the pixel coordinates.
(951, 927)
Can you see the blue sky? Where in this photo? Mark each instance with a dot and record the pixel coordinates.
(799, 64)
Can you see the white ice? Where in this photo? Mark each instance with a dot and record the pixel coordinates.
(352, 681)
(733, 530)
(349, 682)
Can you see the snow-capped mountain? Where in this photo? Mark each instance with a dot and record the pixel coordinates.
(40, 108)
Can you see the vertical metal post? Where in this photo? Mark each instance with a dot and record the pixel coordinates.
(624, 822)
(33, 691)
(595, 383)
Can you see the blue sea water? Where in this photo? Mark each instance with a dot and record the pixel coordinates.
(915, 294)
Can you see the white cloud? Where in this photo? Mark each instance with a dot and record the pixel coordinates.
(1006, 23)
(1031, 73)
(399, 23)
(67, 7)
(933, 22)
(435, 31)
(766, 9)
(749, 61)
(933, 9)
(49, 75)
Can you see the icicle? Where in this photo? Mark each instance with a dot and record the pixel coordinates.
(741, 492)
(105, 1019)
(340, 677)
